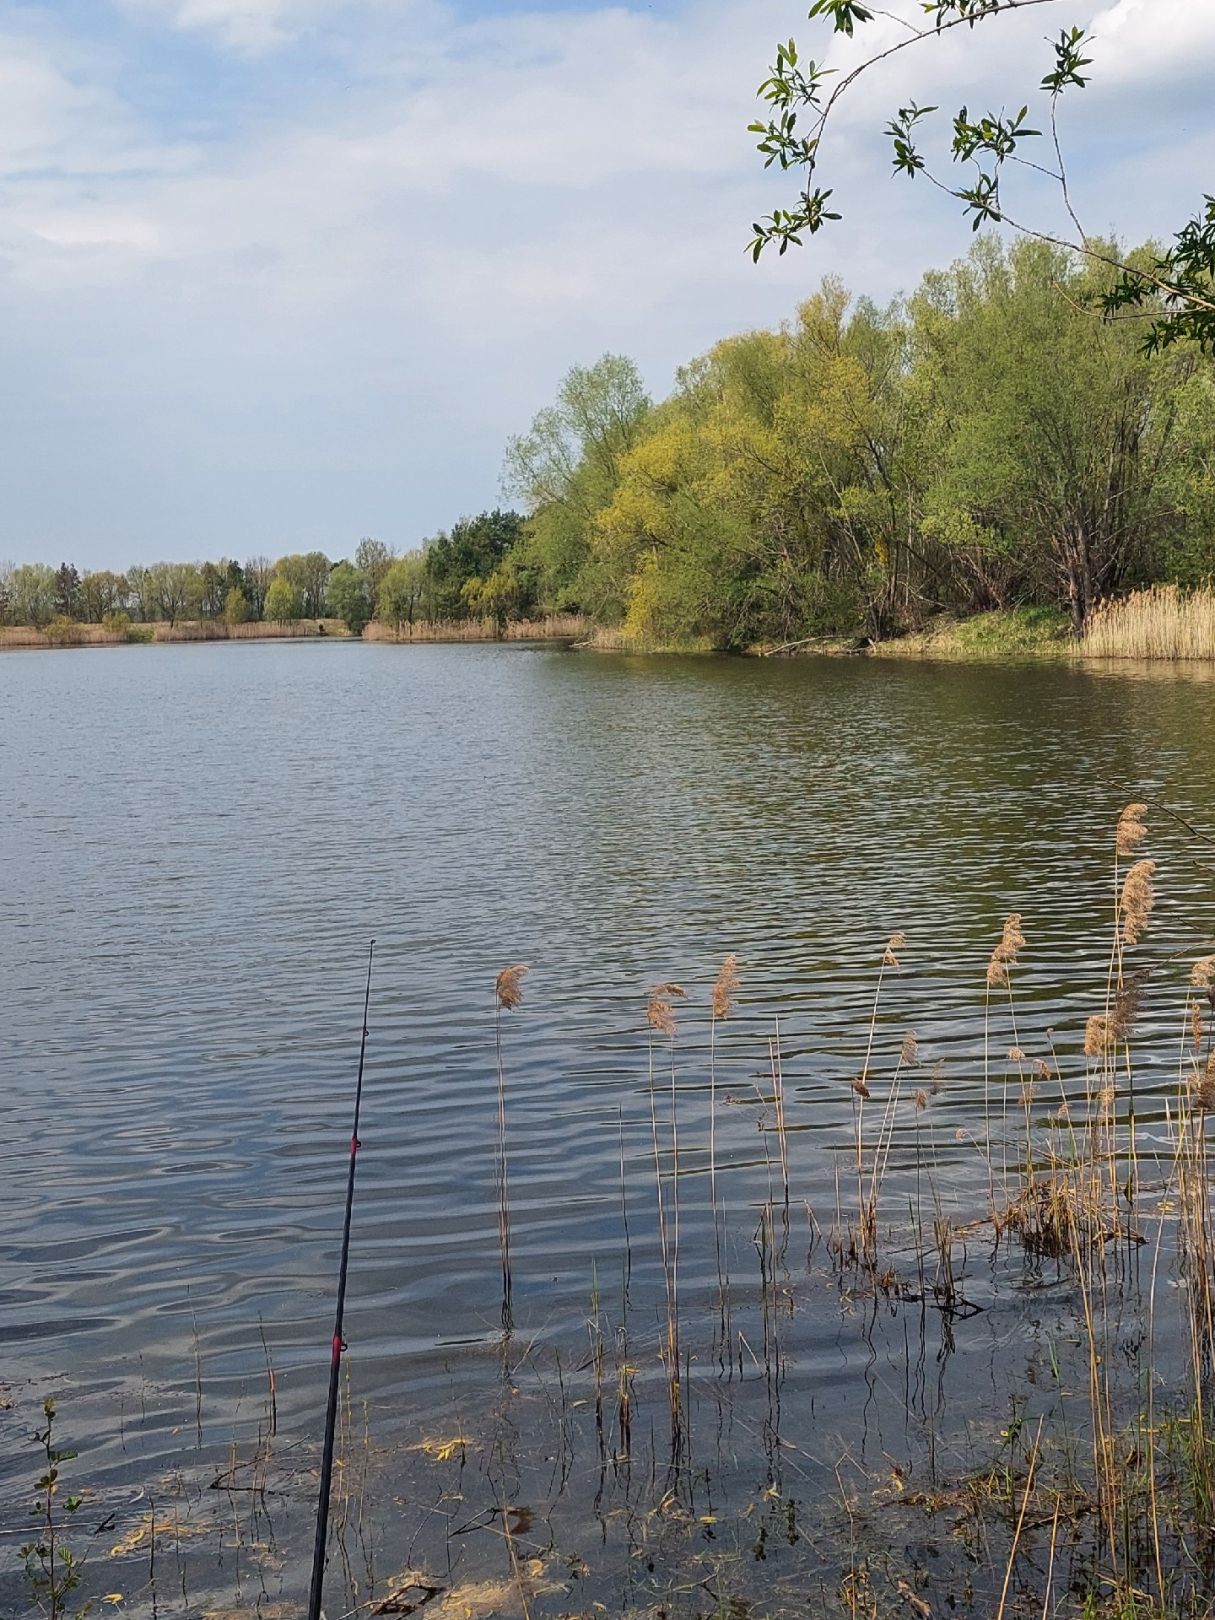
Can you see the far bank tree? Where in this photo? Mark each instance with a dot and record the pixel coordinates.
(283, 602)
(349, 597)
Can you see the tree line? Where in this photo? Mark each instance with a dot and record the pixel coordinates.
(994, 440)
(457, 574)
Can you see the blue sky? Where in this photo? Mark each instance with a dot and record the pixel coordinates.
(275, 274)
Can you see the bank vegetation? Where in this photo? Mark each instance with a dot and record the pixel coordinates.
(992, 465)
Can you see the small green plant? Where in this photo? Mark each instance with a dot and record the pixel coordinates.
(51, 1567)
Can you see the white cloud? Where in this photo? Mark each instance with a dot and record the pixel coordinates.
(326, 322)
(247, 25)
(253, 26)
(1143, 42)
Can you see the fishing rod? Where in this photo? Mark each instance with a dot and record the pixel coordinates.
(339, 1344)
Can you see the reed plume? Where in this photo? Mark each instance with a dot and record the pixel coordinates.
(1202, 1088)
(1098, 1036)
(1005, 954)
(659, 1011)
(724, 986)
(1202, 975)
(508, 987)
(1136, 901)
(1131, 830)
(894, 945)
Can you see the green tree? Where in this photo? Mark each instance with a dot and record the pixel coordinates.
(258, 572)
(496, 597)
(140, 590)
(1176, 288)
(373, 559)
(283, 601)
(401, 591)
(308, 573)
(1058, 434)
(350, 596)
(236, 606)
(102, 592)
(174, 591)
(567, 465)
(212, 588)
(32, 588)
(475, 548)
(67, 591)
(768, 499)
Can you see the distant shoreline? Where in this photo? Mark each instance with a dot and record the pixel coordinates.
(557, 627)
(1157, 626)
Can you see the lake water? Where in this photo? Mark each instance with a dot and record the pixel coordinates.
(197, 844)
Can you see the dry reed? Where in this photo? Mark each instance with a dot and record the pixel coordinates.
(508, 994)
(1005, 953)
(551, 627)
(1136, 901)
(721, 1004)
(1161, 622)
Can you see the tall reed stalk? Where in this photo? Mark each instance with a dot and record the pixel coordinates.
(660, 1020)
(508, 993)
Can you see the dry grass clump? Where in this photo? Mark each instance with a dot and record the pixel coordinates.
(1162, 622)
(1005, 954)
(1059, 1213)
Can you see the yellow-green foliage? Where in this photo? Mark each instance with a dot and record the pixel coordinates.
(865, 470)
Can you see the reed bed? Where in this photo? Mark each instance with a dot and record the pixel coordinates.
(551, 627)
(97, 635)
(1162, 622)
(75, 635)
(1116, 1478)
(217, 630)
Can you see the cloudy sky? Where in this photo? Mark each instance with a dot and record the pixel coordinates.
(275, 274)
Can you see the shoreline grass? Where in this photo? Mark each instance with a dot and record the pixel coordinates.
(1161, 624)
(549, 627)
(16, 638)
